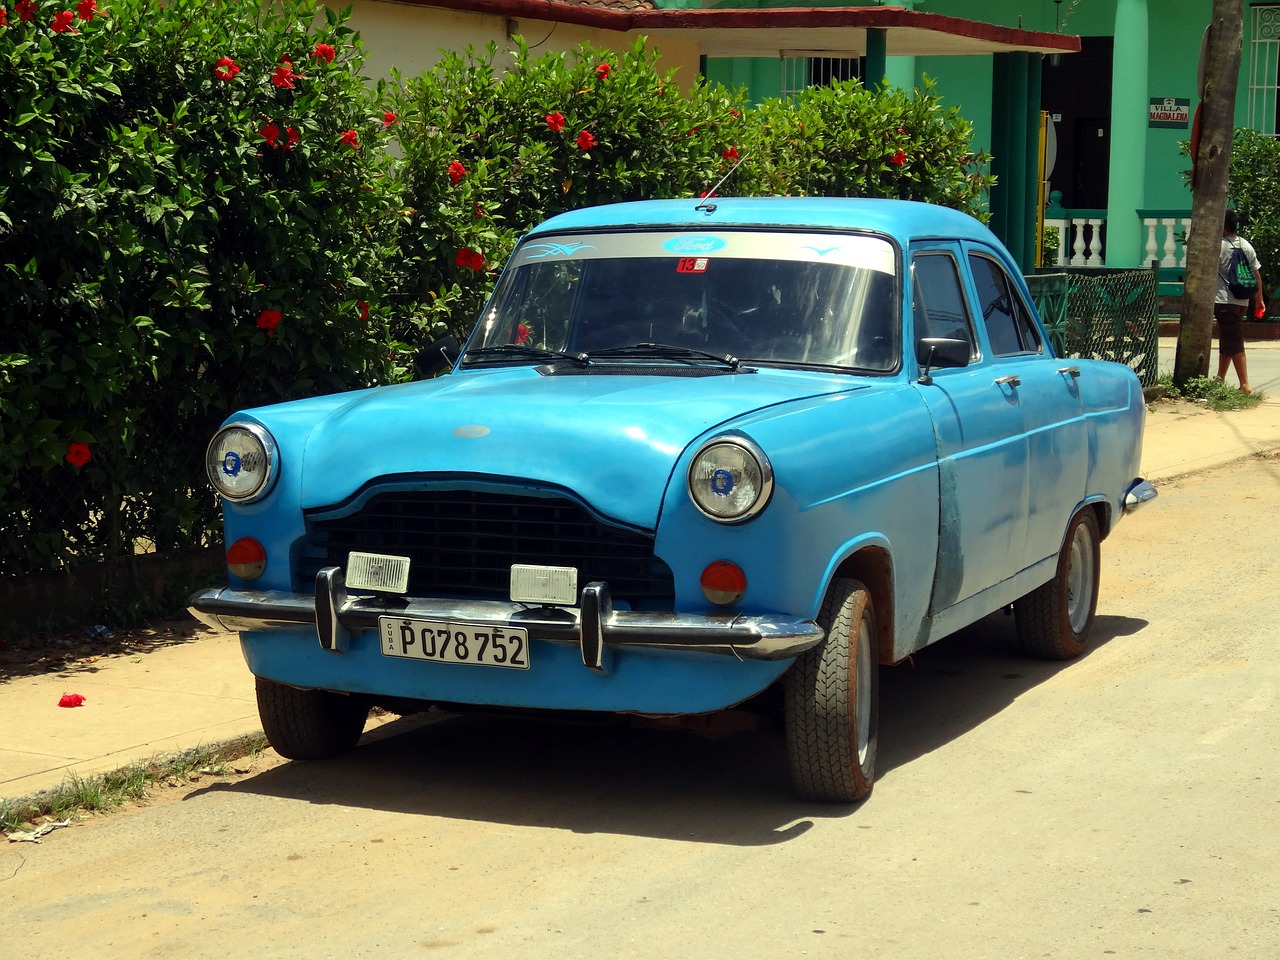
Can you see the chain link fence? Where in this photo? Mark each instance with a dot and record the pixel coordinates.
(1100, 314)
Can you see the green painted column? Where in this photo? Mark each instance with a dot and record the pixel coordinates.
(877, 57)
(1015, 143)
(1000, 87)
(1126, 190)
(1019, 146)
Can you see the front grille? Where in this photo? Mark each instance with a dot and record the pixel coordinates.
(462, 543)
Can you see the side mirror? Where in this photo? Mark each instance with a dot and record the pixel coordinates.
(436, 357)
(934, 352)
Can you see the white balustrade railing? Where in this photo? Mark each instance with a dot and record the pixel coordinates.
(1166, 233)
(1081, 242)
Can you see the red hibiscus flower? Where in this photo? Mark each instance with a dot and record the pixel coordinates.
(284, 75)
(226, 69)
(731, 154)
(479, 211)
(4, 17)
(350, 138)
(586, 140)
(522, 333)
(78, 454)
(602, 71)
(388, 118)
(364, 309)
(456, 172)
(268, 320)
(62, 22)
(898, 159)
(25, 9)
(71, 700)
(323, 53)
(470, 259)
(86, 9)
(270, 133)
(555, 122)
(290, 137)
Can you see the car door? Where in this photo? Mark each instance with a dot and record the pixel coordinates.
(978, 431)
(1046, 391)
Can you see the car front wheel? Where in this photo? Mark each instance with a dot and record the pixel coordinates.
(833, 701)
(309, 724)
(1054, 620)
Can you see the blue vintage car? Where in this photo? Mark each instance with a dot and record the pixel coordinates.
(691, 450)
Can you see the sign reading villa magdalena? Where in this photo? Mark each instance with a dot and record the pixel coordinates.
(1169, 112)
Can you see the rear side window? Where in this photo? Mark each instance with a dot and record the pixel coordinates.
(1009, 324)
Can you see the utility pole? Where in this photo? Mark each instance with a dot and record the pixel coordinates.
(1220, 63)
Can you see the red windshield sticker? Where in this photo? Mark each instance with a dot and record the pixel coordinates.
(692, 264)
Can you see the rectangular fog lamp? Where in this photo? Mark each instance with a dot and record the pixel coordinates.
(536, 584)
(377, 572)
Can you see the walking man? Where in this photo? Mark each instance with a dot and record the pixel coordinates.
(1228, 309)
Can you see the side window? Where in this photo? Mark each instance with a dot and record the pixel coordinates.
(938, 302)
(1009, 324)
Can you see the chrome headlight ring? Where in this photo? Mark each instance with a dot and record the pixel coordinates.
(730, 480)
(242, 462)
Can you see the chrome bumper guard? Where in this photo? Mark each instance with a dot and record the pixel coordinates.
(594, 627)
(1139, 492)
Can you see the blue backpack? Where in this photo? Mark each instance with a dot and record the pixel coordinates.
(1241, 282)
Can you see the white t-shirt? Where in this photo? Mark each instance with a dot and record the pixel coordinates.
(1224, 261)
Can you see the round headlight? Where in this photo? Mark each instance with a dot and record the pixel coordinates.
(241, 462)
(730, 480)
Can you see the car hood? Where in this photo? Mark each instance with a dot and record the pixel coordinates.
(614, 440)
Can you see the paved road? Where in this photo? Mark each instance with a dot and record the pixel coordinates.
(1120, 805)
(1262, 356)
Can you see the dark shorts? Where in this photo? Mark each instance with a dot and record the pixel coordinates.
(1230, 333)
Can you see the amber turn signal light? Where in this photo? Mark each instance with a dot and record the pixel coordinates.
(723, 583)
(247, 558)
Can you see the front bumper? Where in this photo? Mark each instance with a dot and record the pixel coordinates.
(593, 627)
(1140, 492)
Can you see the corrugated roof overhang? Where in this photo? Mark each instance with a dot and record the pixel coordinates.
(824, 31)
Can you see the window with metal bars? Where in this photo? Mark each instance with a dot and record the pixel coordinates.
(1264, 69)
(799, 72)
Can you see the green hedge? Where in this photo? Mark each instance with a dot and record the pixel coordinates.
(194, 198)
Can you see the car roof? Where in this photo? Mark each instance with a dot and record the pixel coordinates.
(905, 220)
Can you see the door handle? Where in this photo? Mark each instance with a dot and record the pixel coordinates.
(1012, 380)
(1072, 372)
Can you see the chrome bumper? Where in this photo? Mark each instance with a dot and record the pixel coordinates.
(1139, 492)
(593, 627)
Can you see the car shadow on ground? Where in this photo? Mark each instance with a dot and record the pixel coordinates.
(716, 780)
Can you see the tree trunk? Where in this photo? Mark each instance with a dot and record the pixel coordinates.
(1209, 196)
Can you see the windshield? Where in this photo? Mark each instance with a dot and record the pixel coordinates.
(783, 297)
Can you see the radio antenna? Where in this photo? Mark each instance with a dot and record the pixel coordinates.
(705, 202)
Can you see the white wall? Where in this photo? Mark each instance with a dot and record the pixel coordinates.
(410, 38)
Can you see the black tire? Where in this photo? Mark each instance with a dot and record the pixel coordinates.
(309, 724)
(833, 702)
(1054, 620)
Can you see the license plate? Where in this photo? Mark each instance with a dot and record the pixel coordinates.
(453, 641)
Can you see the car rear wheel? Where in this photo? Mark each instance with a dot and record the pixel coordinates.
(309, 724)
(833, 701)
(1054, 620)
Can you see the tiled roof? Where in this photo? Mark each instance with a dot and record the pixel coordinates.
(628, 5)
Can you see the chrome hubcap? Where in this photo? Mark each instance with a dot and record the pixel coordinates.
(1080, 579)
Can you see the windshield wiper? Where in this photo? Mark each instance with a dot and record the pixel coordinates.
(663, 351)
(520, 351)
